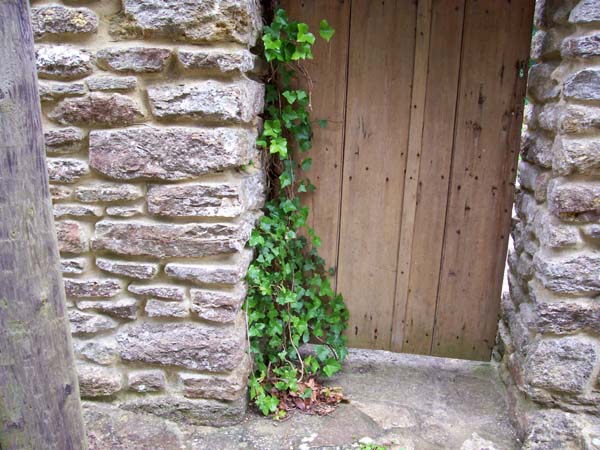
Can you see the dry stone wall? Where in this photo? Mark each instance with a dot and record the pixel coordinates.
(550, 331)
(150, 120)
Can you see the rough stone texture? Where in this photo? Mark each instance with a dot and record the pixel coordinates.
(51, 91)
(84, 323)
(103, 288)
(159, 308)
(581, 47)
(73, 266)
(108, 193)
(98, 381)
(212, 273)
(219, 387)
(100, 352)
(66, 170)
(158, 291)
(568, 317)
(584, 85)
(139, 271)
(64, 140)
(170, 240)
(71, 237)
(574, 201)
(125, 211)
(146, 381)
(578, 155)
(62, 62)
(537, 148)
(552, 233)
(107, 83)
(60, 192)
(542, 87)
(57, 19)
(97, 109)
(186, 345)
(75, 210)
(209, 100)
(190, 20)
(169, 153)
(217, 61)
(586, 12)
(123, 309)
(580, 119)
(218, 306)
(133, 59)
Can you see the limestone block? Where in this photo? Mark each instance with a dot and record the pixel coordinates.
(131, 269)
(61, 62)
(60, 192)
(97, 381)
(146, 381)
(219, 387)
(66, 170)
(51, 91)
(173, 153)
(569, 316)
(108, 192)
(218, 305)
(561, 364)
(158, 291)
(190, 21)
(108, 83)
(537, 148)
(64, 140)
(125, 211)
(84, 288)
(57, 20)
(125, 308)
(212, 273)
(103, 352)
(545, 45)
(97, 109)
(569, 274)
(72, 238)
(579, 119)
(549, 13)
(162, 240)
(74, 266)
(575, 201)
(210, 100)
(553, 233)
(576, 155)
(584, 85)
(84, 323)
(541, 87)
(133, 59)
(194, 346)
(159, 308)
(586, 11)
(581, 46)
(217, 60)
(61, 210)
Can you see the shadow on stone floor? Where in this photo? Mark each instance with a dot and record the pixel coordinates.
(402, 401)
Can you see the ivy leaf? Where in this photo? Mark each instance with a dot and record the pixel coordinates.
(279, 146)
(306, 164)
(331, 366)
(326, 31)
(304, 35)
(290, 96)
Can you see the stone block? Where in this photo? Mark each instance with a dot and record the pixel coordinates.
(561, 364)
(107, 83)
(146, 381)
(212, 273)
(552, 429)
(108, 192)
(125, 211)
(173, 153)
(159, 291)
(532, 178)
(545, 45)
(66, 170)
(159, 308)
(102, 352)
(541, 86)
(569, 273)
(218, 305)
(537, 148)
(133, 59)
(51, 91)
(73, 266)
(92, 288)
(61, 20)
(194, 346)
(586, 12)
(549, 13)
(569, 316)
(71, 237)
(101, 109)
(552, 233)
(584, 85)
(214, 413)
(60, 192)
(98, 381)
(125, 308)
(579, 119)
(85, 324)
(163, 240)
(131, 269)
(209, 100)
(217, 60)
(192, 21)
(581, 46)
(228, 387)
(574, 201)
(61, 210)
(64, 140)
(576, 155)
(61, 62)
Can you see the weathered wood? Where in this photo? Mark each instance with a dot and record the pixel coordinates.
(39, 395)
(382, 42)
(490, 105)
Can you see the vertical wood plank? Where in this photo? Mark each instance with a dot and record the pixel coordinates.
(413, 161)
(328, 72)
(489, 114)
(377, 121)
(419, 269)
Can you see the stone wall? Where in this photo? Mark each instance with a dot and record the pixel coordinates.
(550, 331)
(150, 112)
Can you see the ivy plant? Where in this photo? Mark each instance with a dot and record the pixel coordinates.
(290, 299)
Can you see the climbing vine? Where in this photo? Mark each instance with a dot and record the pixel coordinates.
(290, 300)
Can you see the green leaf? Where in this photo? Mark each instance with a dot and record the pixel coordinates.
(304, 35)
(326, 31)
(331, 367)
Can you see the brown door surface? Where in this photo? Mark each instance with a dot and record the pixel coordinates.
(415, 169)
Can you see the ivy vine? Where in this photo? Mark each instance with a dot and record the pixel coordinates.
(290, 299)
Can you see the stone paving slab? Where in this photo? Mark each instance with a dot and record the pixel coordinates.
(403, 401)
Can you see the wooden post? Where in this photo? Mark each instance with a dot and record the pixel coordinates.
(39, 395)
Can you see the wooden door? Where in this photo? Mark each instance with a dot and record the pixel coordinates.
(415, 170)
